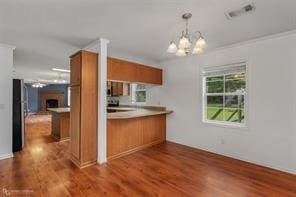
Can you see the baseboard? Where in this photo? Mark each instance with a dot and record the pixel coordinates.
(82, 165)
(6, 156)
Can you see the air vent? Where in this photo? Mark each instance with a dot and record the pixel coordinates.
(249, 8)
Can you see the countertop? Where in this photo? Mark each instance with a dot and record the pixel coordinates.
(59, 110)
(130, 112)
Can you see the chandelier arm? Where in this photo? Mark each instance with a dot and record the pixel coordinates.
(197, 34)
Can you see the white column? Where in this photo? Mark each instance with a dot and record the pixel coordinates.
(100, 46)
(6, 65)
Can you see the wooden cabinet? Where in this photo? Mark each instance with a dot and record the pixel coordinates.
(84, 108)
(121, 70)
(75, 123)
(149, 75)
(125, 89)
(114, 89)
(125, 136)
(75, 64)
(118, 88)
(60, 123)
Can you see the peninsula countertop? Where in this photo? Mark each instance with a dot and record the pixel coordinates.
(59, 110)
(135, 112)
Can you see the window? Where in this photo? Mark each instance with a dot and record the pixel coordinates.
(224, 90)
(138, 92)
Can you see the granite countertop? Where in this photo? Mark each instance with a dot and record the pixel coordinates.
(59, 110)
(131, 112)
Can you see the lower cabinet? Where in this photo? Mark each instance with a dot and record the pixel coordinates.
(60, 123)
(125, 136)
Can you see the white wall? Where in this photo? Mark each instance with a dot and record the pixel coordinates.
(270, 137)
(6, 67)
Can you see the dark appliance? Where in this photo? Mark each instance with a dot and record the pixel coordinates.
(18, 115)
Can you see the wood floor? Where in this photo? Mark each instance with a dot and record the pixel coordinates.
(43, 168)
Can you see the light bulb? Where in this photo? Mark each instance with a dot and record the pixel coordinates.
(200, 43)
(197, 50)
(172, 48)
(184, 43)
(181, 52)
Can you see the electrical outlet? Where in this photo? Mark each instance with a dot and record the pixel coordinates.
(222, 141)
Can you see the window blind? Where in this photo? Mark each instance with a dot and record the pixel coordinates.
(224, 70)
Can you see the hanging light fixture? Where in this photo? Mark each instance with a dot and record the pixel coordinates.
(59, 80)
(37, 84)
(185, 41)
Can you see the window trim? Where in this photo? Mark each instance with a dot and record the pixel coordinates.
(243, 125)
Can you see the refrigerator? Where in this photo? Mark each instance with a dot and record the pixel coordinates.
(18, 122)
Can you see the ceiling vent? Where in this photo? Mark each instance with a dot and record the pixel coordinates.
(249, 8)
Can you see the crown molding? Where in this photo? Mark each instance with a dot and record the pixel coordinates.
(7, 46)
(255, 40)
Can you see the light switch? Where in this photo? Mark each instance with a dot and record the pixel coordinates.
(1, 106)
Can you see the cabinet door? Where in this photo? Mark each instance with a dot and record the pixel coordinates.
(157, 76)
(121, 70)
(75, 122)
(114, 89)
(120, 89)
(125, 89)
(150, 75)
(75, 64)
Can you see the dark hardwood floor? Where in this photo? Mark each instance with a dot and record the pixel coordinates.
(43, 168)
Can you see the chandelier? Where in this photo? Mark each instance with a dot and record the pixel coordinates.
(37, 84)
(60, 80)
(185, 45)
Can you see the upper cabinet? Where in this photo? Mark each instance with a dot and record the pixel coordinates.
(148, 74)
(118, 88)
(75, 63)
(121, 70)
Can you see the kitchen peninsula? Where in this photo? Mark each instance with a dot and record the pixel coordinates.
(60, 123)
(130, 129)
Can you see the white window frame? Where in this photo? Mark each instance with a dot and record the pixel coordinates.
(134, 90)
(205, 94)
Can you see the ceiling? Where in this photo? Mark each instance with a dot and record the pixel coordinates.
(46, 32)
